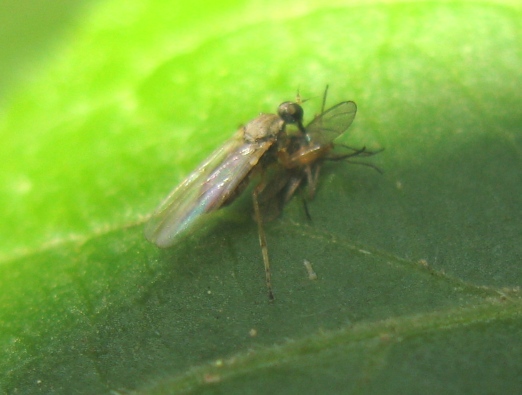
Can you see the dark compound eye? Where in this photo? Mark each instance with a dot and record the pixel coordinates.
(291, 112)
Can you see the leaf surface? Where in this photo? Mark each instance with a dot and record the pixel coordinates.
(418, 269)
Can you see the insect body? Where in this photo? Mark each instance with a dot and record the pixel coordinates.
(260, 144)
(221, 177)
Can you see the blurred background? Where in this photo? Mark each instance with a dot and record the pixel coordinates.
(28, 31)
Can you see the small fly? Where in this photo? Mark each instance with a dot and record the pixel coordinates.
(223, 176)
(260, 145)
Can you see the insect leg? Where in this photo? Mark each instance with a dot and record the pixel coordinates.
(291, 187)
(262, 239)
(312, 176)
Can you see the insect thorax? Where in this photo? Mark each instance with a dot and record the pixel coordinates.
(264, 127)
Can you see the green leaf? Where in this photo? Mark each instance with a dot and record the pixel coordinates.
(418, 269)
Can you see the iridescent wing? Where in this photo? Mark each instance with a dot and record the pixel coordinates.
(206, 189)
(326, 127)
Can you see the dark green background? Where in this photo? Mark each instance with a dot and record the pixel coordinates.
(107, 105)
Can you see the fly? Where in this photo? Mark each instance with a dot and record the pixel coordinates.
(222, 177)
(260, 145)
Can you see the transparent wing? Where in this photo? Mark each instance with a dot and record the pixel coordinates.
(329, 125)
(206, 189)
